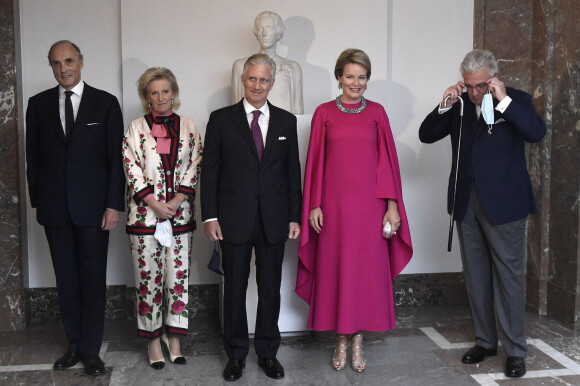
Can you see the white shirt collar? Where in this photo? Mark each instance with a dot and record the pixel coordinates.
(249, 108)
(78, 89)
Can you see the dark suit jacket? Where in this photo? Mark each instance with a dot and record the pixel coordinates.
(496, 162)
(80, 178)
(235, 185)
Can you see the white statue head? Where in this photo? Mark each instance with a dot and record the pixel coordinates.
(268, 29)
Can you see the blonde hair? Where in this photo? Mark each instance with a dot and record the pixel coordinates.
(352, 55)
(157, 73)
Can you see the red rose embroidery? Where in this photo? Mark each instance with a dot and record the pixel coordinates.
(160, 265)
(142, 263)
(179, 274)
(178, 307)
(143, 290)
(144, 308)
(141, 210)
(158, 298)
(178, 289)
(157, 279)
(144, 275)
(178, 263)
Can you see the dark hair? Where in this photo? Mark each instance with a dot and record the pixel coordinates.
(77, 49)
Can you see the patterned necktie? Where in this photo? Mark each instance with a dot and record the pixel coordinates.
(257, 134)
(69, 117)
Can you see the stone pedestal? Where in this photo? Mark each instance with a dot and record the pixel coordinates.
(538, 50)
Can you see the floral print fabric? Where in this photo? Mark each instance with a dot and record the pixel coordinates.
(161, 276)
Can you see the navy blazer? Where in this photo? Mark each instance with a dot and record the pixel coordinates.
(235, 184)
(80, 178)
(495, 163)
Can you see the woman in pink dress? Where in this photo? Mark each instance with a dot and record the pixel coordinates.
(352, 189)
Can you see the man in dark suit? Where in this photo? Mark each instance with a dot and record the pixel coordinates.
(492, 200)
(76, 184)
(250, 199)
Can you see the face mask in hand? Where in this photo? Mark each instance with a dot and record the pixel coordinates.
(487, 109)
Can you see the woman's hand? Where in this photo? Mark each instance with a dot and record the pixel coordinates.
(392, 216)
(176, 201)
(315, 219)
(161, 209)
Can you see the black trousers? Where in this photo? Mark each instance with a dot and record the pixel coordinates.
(79, 258)
(236, 264)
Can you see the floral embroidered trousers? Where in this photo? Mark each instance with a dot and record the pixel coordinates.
(161, 280)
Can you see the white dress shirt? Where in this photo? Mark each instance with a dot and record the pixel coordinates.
(263, 119)
(75, 99)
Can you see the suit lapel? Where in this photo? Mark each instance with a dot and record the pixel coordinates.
(84, 109)
(273, 129)
(54, 114)
(241, 124)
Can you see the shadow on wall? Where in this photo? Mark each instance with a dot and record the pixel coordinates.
(298, 37)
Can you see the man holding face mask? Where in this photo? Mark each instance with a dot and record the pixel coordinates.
(492, 198)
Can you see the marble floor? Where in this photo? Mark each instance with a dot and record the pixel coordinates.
(425, 349)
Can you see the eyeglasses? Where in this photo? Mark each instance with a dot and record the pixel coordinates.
(253, 79)
(481, 87)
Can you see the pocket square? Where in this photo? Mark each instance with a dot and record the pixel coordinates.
(281, 138)
(500, 121)
(93, 123)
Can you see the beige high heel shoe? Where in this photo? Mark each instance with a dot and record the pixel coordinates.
(359, 365)
(157, 364)
(339, 364)
(177, 359)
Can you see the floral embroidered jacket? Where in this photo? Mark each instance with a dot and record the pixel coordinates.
(162, 175)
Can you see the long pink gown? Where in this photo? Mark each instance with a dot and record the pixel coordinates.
(345, 273)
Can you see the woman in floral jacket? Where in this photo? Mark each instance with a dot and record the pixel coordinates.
(162, 154)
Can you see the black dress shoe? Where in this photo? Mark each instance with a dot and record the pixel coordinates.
(477, 354)
(272, 367)
(515, 367)
(69, 359)
(233, 370)
(93, 365)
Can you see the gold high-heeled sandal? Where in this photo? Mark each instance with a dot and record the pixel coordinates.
(177, 359)
(358, 365)
(339, 364)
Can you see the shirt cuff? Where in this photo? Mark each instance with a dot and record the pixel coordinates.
(443, 110)
(210, 220)
(503, 105)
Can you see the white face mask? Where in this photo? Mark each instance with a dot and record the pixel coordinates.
(487, 109)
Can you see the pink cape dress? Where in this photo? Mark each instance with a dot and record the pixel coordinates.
(345, 273)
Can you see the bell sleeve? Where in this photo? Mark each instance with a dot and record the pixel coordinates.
(389, 187)
(312, 198)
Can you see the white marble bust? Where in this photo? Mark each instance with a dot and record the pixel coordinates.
(287, 90)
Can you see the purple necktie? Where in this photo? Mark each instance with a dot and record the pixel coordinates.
(257, 134)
